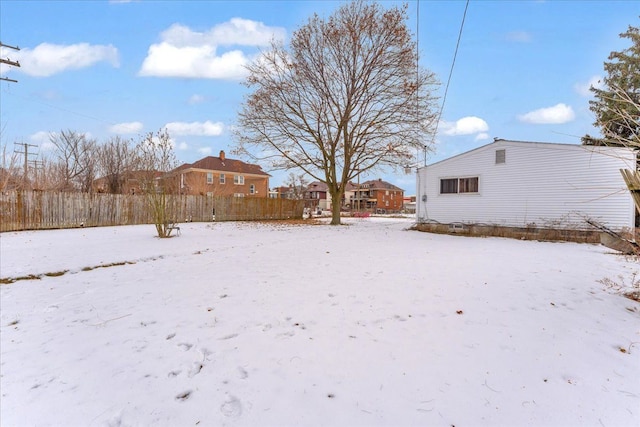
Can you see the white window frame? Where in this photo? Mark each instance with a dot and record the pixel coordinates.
(238, 179)
(222, 178)
(461, 185)
(209, 177)
(252, 189)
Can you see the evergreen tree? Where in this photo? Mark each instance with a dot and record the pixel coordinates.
(617, 104)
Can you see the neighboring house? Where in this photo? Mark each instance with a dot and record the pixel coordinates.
(317, 195)
(377, 196)
(409, 204)
(287, 192)
(220, 176)
(529, 184)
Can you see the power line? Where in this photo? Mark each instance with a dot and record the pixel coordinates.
(453, 63)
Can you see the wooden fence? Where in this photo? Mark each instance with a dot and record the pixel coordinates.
(36, 210)
(632, 178)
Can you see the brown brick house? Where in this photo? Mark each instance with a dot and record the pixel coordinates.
(220, 176)
(377, 195)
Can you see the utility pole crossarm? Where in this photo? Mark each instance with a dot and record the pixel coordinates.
(10, 47)
(9, 62)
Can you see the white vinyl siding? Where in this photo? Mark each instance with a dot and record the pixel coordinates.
(549, 185)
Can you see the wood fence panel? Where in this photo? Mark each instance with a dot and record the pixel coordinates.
(36, 210)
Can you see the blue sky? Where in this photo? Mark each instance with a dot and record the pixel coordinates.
(125, 68)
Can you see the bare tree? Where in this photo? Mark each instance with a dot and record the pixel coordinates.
(9, 169)
(154, 157)
(77, 159)
(297, 184)
(115, 161)
(346, 98)
(624, 109)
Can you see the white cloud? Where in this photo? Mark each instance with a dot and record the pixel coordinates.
(183, 146)
(519, 36)
(183, 52)
(205, 151)
(126, 128)
(43, 139)
(482, 136)
(47, 59)
(558, 114)
(196, 99)
(465, 126)
(584, 88)
(195, 128)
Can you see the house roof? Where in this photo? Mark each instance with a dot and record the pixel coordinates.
(317, 186)
(379, 184)
(223, 164)
(498, 142)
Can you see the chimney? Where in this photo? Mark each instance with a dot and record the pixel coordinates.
(222, 155)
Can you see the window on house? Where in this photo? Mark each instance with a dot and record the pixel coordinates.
(238, 194)
(252, 189)
(221, 178)
(459, 185)
(209, 177)
(238, 179)
(501, 156)
(449, 186)
(468, 185)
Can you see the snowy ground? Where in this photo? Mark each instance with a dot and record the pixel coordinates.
(245, 324)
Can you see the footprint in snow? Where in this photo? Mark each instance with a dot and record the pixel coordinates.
(232, 407)
(184, 395)
(195, 369)
(185, 346)
(242, 373)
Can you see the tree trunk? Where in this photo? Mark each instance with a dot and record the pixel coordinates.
(336, 197)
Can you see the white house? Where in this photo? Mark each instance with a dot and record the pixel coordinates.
(520, 184)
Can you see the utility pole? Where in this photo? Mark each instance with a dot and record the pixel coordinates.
(25, 151)
(9, 62)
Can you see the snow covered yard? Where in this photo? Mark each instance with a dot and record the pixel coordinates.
(248, 324)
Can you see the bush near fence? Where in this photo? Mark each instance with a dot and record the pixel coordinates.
(38, 210)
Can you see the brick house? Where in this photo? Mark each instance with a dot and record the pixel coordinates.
(317, 195)
(377, 196)
(220, 176)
